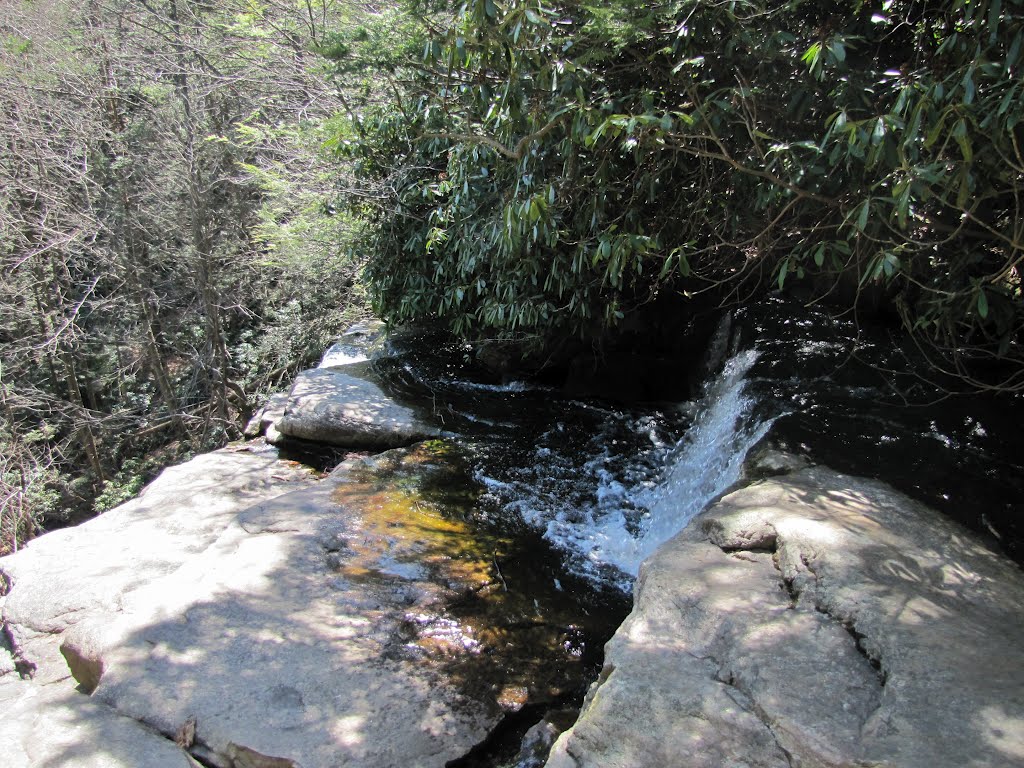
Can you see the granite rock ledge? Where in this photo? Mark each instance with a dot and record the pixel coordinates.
(813, 619)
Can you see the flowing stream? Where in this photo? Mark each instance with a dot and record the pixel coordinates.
(637, 480)
(606, 484)
(569, 495)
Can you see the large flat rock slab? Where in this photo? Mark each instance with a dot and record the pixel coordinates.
(345, 406)
(280, 658)
(362, 620)
(54, 725)
(68, 574)
(813, 620)
(74, 574)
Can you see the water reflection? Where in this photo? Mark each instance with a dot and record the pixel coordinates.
(488, 606)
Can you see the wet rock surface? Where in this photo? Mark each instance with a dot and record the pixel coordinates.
(345, 406)
(813, 619)
(369, 618)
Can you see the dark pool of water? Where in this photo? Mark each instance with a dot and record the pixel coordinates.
(865, 403)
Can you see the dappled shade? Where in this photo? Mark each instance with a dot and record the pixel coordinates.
(814, 618)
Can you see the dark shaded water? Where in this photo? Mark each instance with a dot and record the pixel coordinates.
(575, 493)
(594, 478)
(861, 405)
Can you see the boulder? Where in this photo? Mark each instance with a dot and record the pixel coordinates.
(68, 574)
(280, 655)
(263, 421)
(345, 406)
(73, 574)
(358, 620)
(814, 619)
(768, 459)
(359, 342)
(54, 725)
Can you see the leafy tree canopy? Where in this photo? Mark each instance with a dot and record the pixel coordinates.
(167, 251)
(558, 164)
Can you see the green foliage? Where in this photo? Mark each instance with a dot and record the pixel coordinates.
(28, 482)
(119, 489)
(16, 45)
(555, 166)
(372, 44)
(169, 251)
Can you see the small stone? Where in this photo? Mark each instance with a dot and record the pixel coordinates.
(537, 742)
(186, 735)
(513, 698)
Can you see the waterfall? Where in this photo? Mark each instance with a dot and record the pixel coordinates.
(608, 486)
(711, 455)
(707, 460)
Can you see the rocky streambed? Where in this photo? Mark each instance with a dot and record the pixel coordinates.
(449, 576)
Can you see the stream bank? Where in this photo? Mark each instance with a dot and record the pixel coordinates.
(813, 619)
(467, 582)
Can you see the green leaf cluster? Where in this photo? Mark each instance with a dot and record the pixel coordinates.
(556, 165)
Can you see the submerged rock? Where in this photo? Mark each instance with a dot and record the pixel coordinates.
(818, 620)
(345, 406)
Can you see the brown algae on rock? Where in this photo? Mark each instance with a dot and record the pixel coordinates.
(486, 604)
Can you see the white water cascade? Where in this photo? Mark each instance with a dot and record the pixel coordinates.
(705, 463)
(711, 456)
(613, 509)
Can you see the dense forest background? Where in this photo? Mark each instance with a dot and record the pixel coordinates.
(197, 196)
(170, 251)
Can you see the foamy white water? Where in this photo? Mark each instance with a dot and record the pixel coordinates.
(644, 500)
(707, 461)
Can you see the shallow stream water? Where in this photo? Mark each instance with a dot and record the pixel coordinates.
(570, 495)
